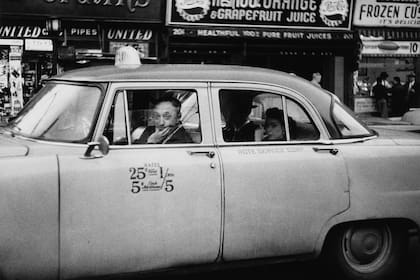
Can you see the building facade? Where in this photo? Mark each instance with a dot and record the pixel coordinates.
(296, 36)
(40, 38)
(390, 36)
(45, 37)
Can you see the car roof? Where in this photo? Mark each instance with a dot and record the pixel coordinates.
(195, 72)
(204, 73)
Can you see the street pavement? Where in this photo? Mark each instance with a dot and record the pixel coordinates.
(286, 271)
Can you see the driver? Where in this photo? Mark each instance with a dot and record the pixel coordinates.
(167, 127)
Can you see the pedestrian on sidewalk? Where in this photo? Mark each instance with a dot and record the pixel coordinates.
(412, 92)
(380, 92)
(316, 79)
(397, 97)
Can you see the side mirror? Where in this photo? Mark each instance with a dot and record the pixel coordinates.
(103, 146)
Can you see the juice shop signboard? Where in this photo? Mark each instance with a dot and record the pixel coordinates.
(312, 14)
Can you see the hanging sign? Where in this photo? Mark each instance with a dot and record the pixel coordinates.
(389, 13)
(308, 14)
(38, 45)
(16, 80)
(389, 48)
(11, 42)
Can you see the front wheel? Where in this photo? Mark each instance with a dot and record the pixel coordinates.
(367, 251)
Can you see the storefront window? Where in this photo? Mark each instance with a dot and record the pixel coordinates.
(371, 68)
(395, 69)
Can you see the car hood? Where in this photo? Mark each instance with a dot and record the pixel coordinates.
(397, 135)
(10, 147)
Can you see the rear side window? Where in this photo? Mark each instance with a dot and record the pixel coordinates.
(347, 124)
(301, 125)
(254, 116)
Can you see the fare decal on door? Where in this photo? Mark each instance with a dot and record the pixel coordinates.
(150, 177)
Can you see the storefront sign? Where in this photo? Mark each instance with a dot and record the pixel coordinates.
(390, 13)
(129, 34)
(389, 48)
(11, 42)
(308, 14)
(364, 105)
(38, 45)
(82, 32)
(134, 10)
(22, 31)
(265, 34)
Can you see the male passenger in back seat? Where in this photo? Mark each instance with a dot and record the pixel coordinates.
(236, 110)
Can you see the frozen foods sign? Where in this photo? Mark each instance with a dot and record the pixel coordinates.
(313, 14)
(390, 13)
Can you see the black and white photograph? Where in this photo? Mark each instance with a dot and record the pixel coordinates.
(210, 139)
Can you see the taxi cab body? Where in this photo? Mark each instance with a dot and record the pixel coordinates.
(79, 197)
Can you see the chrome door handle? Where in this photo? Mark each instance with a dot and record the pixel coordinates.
(209, 154)
(332, 151)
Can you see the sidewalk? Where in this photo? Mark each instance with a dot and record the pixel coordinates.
(370, 119)
(392, 122)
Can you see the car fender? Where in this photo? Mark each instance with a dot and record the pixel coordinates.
(384, 184)
(29, 215)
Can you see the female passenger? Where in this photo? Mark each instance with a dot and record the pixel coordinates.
(274, 128)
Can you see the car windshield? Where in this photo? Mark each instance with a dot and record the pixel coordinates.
(60, 112)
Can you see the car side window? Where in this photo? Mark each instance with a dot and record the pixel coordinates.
(301, 126)
(239, 122)
(155, 116)
(253, 116)
(116, 128)
(347, 123)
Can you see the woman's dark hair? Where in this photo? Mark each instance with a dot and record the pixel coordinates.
(277, 114)
(274, 113)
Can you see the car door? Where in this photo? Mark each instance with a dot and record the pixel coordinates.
(142, 206)
(278, 193)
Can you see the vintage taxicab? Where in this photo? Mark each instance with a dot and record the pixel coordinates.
(113, 170)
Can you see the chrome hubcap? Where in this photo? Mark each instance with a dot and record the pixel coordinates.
(366, 248)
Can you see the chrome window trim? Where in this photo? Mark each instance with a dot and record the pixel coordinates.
(352, 140)
(160, 146)
(56, 143)
(294, 143)
(127, 119)
(285, 117)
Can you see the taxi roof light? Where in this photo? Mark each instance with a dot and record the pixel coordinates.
(127, 57)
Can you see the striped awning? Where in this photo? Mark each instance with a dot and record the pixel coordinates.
(390, 34)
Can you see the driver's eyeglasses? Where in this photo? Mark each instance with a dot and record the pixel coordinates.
(166, 116)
